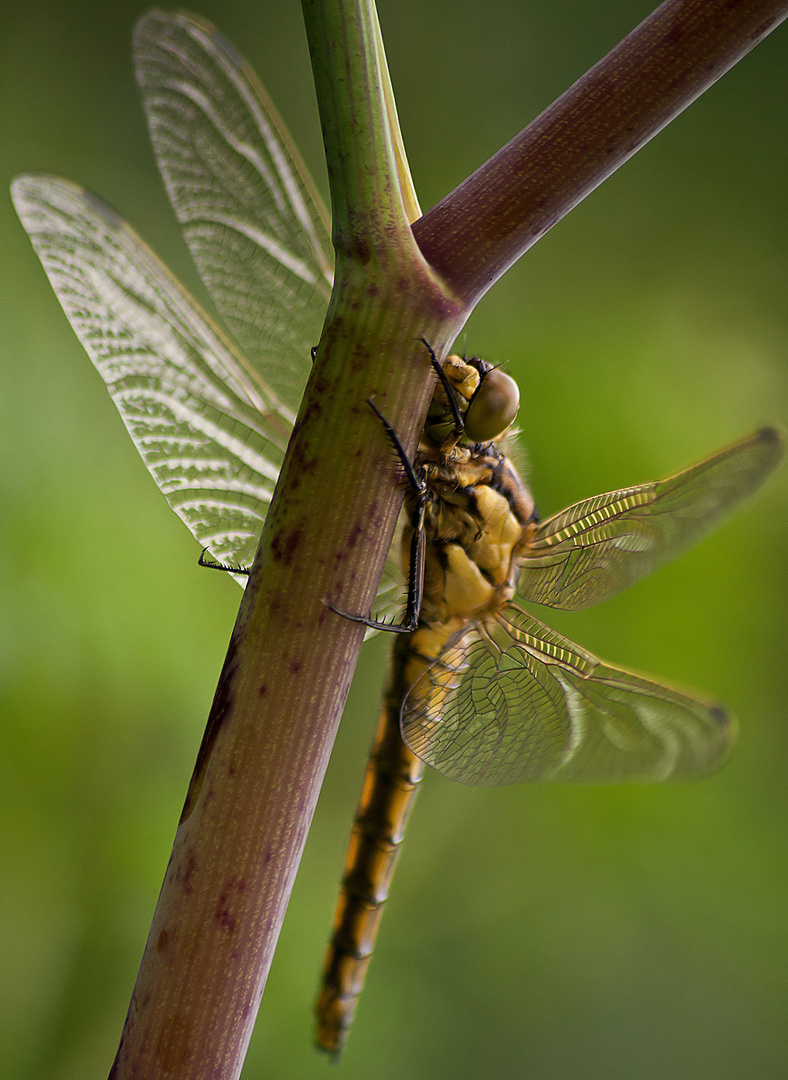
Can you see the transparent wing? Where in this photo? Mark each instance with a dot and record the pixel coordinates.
(210, 424)
(512, 701)
(256, 227)
(598, 547)
(211, 433)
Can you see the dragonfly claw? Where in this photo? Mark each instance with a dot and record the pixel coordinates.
(210, 564)
(406, 627)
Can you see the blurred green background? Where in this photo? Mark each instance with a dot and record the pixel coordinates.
(536, 932)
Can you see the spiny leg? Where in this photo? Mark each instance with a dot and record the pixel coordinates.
(459, 423)
(209, 564)
(418, 486)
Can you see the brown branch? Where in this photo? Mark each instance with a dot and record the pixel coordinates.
(477, 231)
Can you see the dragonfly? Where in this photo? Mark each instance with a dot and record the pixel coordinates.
(479, 689)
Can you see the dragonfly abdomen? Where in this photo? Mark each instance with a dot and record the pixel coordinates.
(391, 783)
(390, 786)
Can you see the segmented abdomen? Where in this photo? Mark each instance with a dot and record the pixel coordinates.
(390, 786)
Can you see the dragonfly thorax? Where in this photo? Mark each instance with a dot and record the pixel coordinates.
(472, 531)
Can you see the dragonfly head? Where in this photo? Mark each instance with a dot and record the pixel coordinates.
(485, 402)
(493, 407)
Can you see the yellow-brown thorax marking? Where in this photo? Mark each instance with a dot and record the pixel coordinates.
(476, 518)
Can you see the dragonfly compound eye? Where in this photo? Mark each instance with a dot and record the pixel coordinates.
(493, 407)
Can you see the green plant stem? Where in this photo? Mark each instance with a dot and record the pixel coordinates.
(291, 658)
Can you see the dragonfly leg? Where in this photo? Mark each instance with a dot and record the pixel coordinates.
(418, 486)
(209, 564)
(459, 423)
(415, 592)
(416, 481)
